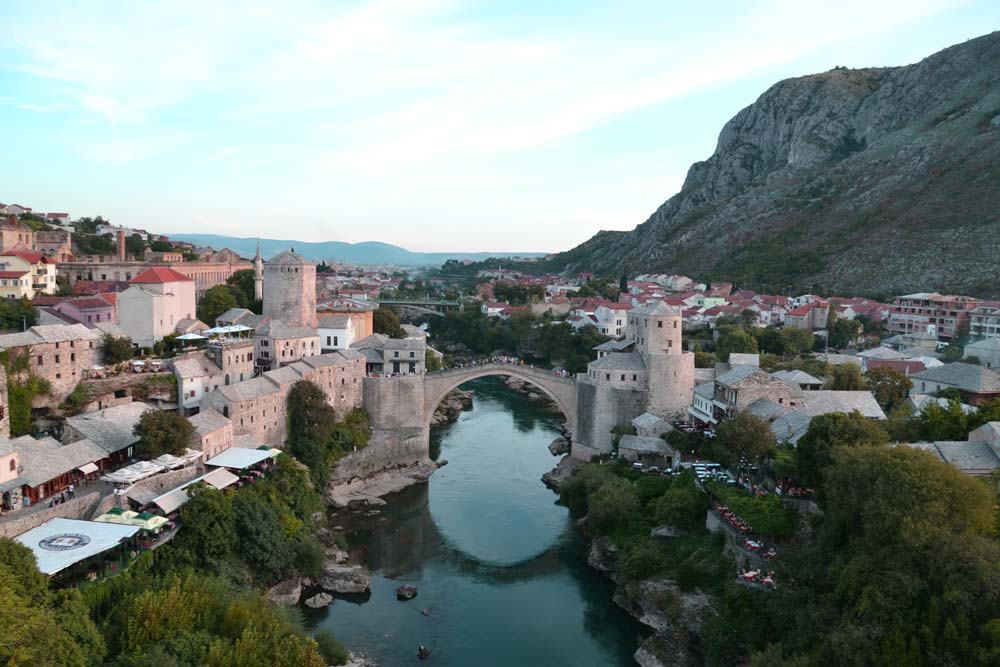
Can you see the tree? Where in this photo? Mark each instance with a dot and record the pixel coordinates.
(330, 648)
(242, 283)
(260, 536)
(847, 377)
(310, 424)
(214, 302)
(612, 506)
(385, 321)
(17, 314)
(796, 340)
(623, 283)
(116, 349)
(746, 435)
(889, 386)
(748, 319)
(842, 333)
(135, 246)
(162, 432)
(734, 340)
(826, 433)
(769, 340)
(207, 518)
(432, 361)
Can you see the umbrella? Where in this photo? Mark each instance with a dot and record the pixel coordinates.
(190, 336)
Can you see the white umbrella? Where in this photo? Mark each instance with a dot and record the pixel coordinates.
(190, 336)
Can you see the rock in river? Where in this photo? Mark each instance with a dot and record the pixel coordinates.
(559, 446)
(286, 593)
(319, 600)
(338, 578)
(406, 592)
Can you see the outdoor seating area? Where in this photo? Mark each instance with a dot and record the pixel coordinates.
(140, 470)
(760, 578)
(687, 427)
(75, 551)
(730, 517)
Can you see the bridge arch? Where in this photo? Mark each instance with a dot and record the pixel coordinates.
(562, 390)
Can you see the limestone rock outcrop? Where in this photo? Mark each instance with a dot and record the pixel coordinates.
(850, 179)
(285, 593)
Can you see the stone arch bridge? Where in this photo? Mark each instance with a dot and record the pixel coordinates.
(401, 408)
(560, 388)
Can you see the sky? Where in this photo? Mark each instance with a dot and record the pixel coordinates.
(436, 125)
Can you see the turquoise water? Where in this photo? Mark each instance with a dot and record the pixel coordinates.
(500, 571)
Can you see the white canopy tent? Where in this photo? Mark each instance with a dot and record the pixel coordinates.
(240, 458)
(191, 336)
(231, 328)
(170, 501)
(59, 543)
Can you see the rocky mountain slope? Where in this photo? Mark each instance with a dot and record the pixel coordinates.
(872, 181)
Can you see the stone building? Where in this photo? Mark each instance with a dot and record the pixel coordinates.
(110, 267)
(214, 433)
(111, 429)
(278, 344)
(57, 245)
(290, 290)
(59, 353)
(257, 407)
(154, 303)
(223, 362)
(16, 234)
(649, 371)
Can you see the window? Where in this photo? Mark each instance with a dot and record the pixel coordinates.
(607, 376)
(39, 360)
(57, 358)
(623, 377)
(659, 324)
(13, 465)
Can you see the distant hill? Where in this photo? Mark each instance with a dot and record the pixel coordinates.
(368, 252)
(874, 181)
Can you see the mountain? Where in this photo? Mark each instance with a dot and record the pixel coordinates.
(874, 181)
(369, 252)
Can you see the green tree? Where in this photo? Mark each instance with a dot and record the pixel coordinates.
(162, 432)
(746, 435)
(311, 421)
(769, 340)
(116, 349)
(385, 321)
(613, 505)
(432, 361)
(17, 314)
(135, 246)
(207, 518)
(214, 302)
(889, 386)
(842, 333)
(734, 340)
(242, 288)
(847, 377)
(748, 319)
(260, 536)
(796, 341)
(826, 433)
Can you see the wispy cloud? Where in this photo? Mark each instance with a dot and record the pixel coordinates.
(431, 100)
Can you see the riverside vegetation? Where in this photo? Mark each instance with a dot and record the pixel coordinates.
(900, 568)
(198, 599)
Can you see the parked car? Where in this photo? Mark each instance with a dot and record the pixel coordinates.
(637, 465)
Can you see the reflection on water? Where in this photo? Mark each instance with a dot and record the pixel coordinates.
(498, 568)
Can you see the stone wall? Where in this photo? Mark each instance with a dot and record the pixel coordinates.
(78, 508)
(395, 403)
(599, 410)
(168, 480)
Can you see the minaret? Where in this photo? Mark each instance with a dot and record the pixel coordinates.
(258, 275)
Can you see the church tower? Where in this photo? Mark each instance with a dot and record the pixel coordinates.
(258, 275)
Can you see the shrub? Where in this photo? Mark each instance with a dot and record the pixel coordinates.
(331, 649)
(641, 561)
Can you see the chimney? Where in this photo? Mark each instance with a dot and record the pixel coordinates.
(121, 245)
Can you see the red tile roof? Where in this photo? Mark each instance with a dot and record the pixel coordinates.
(160, 274)
(804, 309)
(99, 286)
(29, 257)
(13, 274)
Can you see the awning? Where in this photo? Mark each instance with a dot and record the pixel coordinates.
(88, 468)
(170, 501)
(11, 484)
(238, 458)
(59, 543)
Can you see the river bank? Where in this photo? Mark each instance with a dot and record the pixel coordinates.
(675, 617)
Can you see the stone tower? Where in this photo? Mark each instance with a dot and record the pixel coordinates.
(258, 275)
(290, 290)
(656, 330)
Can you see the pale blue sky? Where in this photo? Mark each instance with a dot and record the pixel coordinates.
(440, 125)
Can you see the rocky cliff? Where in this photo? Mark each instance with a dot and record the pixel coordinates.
(875, 180)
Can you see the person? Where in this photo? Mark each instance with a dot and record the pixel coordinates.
(72, 492)
(423, 652)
